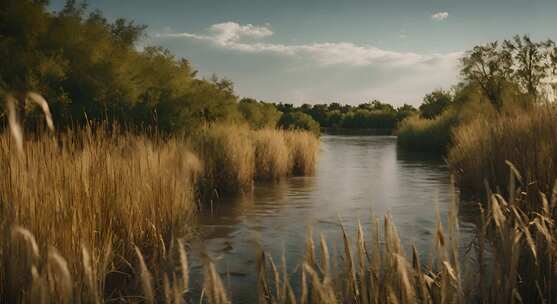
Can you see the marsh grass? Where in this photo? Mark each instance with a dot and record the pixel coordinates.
(527, 139)
(520, 268)
(235, 156)
(228, 159)
(303, 151)
(85, 201)
(93, 215)
(271, 154)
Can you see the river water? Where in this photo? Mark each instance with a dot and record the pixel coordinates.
(356, 177)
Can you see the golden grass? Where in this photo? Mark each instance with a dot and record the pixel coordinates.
(235, 156)
(271, 154)
(527, 139)
(91, 216)
(228, 158)
(303, 152)
(85, 201)
(521, 266)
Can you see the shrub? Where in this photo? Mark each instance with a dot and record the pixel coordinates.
(432, 135)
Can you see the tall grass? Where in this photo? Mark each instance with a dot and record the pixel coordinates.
(86, 200)
(527, 139)
(93, 215)
(271, 154)
(228, 157)
(303, 152)
(236, 156)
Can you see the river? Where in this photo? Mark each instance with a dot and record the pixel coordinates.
(356, 177)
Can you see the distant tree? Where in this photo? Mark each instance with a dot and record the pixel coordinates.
(259, 114)
(299, 120)
(435, 103)
(404, 111)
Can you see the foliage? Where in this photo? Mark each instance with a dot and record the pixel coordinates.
(259, 114)
(299, 121)
(371, 115)
(91, 70)
(519, 64)
(435, 103)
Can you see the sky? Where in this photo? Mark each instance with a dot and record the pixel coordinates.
(309, 51)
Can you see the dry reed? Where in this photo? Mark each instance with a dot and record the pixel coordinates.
(526, 139)
(98, 190)
(303, 152)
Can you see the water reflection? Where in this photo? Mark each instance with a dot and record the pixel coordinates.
(357, 176)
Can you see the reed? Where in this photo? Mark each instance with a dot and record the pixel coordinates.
(235, 156)
(526, 139)
(271, 154)
(303, 152)
(93, 196)
(228, 159)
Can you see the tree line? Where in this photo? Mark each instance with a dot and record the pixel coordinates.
(90, 69)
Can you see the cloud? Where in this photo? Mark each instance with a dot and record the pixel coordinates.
(440, 16)
(247, 39)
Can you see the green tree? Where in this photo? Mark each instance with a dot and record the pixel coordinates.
(489, 67)
(435, 103)
(299, 120)
(532, 62)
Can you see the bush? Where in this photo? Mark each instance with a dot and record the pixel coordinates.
(299, 121)
(429, 135)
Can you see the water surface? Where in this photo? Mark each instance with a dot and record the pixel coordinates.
(356, 177)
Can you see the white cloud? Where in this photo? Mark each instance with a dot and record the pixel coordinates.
(440, 16)
(243, 38)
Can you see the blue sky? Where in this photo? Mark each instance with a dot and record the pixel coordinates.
(330, 50)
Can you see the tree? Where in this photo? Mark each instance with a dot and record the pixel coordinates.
(435, 103)
(259, 114)
(299, 120)
(490, 68)
(532, 62)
